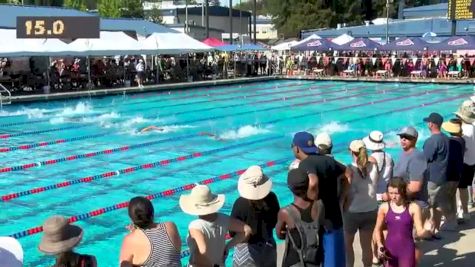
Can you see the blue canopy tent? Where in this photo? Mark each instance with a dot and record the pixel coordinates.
(315, 45)
(245, 47)
(455, 43)
(360, 44)
(406, 44)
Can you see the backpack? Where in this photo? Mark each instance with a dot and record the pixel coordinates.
(309, 239)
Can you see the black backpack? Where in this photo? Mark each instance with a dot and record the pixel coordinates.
(308, 232)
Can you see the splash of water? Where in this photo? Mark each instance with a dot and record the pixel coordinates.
(333, 127)
(29, 112)
(243, 132)
(80, 108)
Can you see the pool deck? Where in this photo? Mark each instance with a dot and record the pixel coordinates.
(455, 249)
(190, 85)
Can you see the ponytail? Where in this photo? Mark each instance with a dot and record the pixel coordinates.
(362, 160)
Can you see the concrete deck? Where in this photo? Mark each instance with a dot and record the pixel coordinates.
(455, 249)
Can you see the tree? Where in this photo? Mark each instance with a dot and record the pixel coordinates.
(76, 4)
(109, 8)
(154, 15)
(131, 9)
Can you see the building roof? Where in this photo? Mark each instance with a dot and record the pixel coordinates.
(140, 26)
(437, 10)
(398, 28)
(218, 11)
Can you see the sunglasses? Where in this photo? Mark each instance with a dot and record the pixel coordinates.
(407, 137)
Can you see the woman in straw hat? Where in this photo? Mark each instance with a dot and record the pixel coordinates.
(207, 234)
(149, 244)
(360, 206)
(466, 114)
(258, 207)
(454, 170)
(59, 238)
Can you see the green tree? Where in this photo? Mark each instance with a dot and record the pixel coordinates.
(76, 4)
(109, 8)
(154, 15)
(131, 9)
(44, 2)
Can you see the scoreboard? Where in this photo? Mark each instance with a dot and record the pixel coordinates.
(461, 9)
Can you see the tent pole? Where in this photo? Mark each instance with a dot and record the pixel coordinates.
(89, 81)
(159, 64)
(187, 67)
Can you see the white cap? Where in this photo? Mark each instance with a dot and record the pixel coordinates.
(11, 252)
(323, 139)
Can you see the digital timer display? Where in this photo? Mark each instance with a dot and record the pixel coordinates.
(58, 27)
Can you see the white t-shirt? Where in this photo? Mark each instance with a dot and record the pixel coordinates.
(469, 137)
(140, 67)
(215, 237)
(363, 190)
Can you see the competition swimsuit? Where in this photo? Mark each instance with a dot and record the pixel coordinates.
(399, 241)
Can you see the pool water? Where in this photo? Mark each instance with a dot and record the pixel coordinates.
(254, 124)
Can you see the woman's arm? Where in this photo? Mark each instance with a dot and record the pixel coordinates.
(126, 256)
(416, 214)
(174, 235)
(199, 257)
(378, 236)
(242, 232)
(281, 226)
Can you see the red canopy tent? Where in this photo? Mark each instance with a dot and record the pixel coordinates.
(213, 42)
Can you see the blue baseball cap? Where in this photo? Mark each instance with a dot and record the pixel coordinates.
(306, 142)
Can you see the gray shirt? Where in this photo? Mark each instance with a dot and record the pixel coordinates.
(412, 166)
(436, 151)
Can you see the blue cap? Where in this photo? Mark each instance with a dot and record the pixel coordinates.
(306, 142)
(435, 118)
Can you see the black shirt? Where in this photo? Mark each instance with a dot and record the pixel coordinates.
(262, 221)
(328, 171)
(456, 153)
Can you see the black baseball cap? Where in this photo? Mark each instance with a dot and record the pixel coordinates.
(435, 118)
(297, 181)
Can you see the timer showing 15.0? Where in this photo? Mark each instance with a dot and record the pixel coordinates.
(58, 27)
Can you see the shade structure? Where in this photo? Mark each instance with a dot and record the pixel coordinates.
(172, 43)
(314, 45)
(109, 44)
(284, 46)
(213, 42)
(244, 47)
(406, 44)
(311, 37)
(10, 46)
(360, 44)
(455, 43)
(342, 39)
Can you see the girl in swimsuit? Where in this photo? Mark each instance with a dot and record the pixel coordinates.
(399, 216)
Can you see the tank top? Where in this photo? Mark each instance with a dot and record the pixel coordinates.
(363, 189)
(385, 170)
(399, 227)
(162, 251)
(215, 237)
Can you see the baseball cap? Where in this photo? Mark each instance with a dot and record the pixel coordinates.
(408, 131)
(306, 142)
(435, 118)
(323, 139)
(297, 180)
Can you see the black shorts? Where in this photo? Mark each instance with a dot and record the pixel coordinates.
(467, 176)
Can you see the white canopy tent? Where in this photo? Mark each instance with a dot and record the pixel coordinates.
(284, 46)
(109, 44)
(10, 46)
(311, 37)
(172, 43)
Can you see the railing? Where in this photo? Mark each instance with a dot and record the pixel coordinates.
(5, 99)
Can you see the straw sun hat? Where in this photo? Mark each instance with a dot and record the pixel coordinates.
(465, 111)
(374, 141)
(59, 236)
(201, 201)
(452, 126)
(253, 184)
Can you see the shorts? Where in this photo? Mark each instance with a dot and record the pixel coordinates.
(438, 195)
(334, 248)
(467, 176)
(363, 221)
(451, 192)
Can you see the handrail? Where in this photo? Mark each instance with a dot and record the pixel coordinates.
(8, 98)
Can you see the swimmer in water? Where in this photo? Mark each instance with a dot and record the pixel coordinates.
(211, 135)
(152, 128)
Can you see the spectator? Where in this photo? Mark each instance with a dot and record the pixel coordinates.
(257, 206)
(149, 243)
(323, 174)
(11, 252)
(361, 210)
(207, 234)
(436, 151)
(59, 239)
(399, 216)
(140, 69)
(298, 224)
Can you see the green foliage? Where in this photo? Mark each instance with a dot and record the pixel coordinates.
(154, 15)
(131, 9)
(76, 4)
(109, 8)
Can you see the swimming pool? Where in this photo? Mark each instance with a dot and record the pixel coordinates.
(86, 157)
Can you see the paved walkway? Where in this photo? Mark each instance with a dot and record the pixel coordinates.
(455, 249)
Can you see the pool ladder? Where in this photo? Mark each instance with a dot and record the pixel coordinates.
(5, 96)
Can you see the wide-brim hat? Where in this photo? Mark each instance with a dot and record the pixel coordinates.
(201, 201)
(465, 112)
(59, 236)
(253, 184)
(452, 127)
(374, 141)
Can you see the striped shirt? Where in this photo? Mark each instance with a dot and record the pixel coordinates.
(162, 251)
